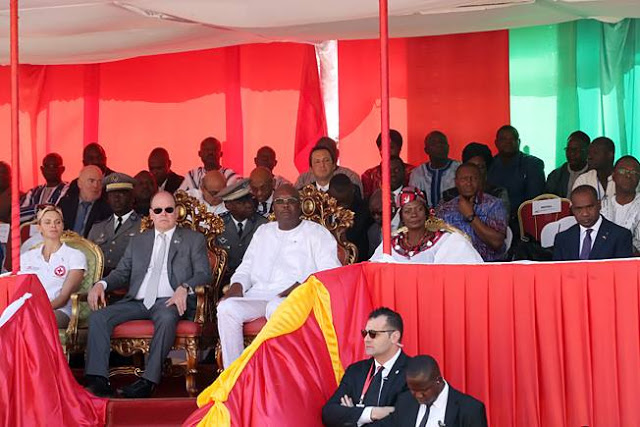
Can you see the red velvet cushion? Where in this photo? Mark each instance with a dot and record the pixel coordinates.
(144, 329)
(254, 327)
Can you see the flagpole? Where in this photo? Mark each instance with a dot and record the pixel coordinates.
(384, 113)
(15, 141)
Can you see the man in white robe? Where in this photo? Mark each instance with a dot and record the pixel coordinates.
(281, 255)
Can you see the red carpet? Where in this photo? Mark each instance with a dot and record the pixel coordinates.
(149, 412)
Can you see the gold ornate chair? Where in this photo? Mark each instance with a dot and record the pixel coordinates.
(135, 336)
(74, 338)
(323, 209)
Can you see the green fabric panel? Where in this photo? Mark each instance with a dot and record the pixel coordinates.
(577, 75)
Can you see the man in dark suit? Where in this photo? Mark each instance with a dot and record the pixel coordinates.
(262, 185)
(432, 402)
(113, 234)
(161, 268)
(160, 167)
(240, 222)
(86, 206)
(593, 237)
(369, 388)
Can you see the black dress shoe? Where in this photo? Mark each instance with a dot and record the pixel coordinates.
(139, 389)
(98, 386)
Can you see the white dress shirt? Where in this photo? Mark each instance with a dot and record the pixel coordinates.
(594, 233)
(365, 417)
(438, 409)
(124, 217)
(164, 287)
(276, 259)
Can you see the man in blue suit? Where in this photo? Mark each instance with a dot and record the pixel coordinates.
(593, 237)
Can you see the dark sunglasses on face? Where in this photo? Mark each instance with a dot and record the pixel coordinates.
(168, 209)
(372, 334)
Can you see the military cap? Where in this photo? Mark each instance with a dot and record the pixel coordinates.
(118, 181)
(235, 191)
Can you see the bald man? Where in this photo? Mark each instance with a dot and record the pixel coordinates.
(211, 184)
(160, 166)
(86, 207)
(50, 192)
(261, 185)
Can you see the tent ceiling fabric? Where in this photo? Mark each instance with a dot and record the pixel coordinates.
(89, 31)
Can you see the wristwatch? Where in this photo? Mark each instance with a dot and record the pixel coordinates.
(470, 218)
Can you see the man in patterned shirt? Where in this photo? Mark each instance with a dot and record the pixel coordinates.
(210, 153)
(478, 214)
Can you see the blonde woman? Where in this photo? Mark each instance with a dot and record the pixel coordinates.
(59, 267)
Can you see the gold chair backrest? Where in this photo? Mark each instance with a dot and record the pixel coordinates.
(194, 215)
(319, 207)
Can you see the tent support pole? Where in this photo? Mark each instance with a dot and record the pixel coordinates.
(15, 142)
(384, 113)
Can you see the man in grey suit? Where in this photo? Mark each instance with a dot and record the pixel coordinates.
(161, 268)
(240, 222)
(114, 233)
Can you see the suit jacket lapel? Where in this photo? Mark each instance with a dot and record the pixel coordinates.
(176, 240)
(575, 237)
(453, 406)
(396, 374)
(126, 226)
(601, 240)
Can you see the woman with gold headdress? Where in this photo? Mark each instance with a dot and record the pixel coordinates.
(59, 267)
(415, 243)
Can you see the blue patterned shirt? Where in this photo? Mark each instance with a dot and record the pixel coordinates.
(488, 209)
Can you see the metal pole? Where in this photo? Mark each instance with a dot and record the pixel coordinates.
(15, 142)
(384, 112)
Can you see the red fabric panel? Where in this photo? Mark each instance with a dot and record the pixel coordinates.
(542, 344)
(458, 84)
(247, 96)
(36, 384)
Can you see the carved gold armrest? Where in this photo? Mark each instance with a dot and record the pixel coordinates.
(204, 304)
(72, 329)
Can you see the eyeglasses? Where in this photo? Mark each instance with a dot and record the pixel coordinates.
(373, 334)
(168, 209)
(286, 200)
(627, 172)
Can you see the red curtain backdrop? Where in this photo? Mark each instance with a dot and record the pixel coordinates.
(458, 84)
(247, 96)
(37, 387)
(540, 344)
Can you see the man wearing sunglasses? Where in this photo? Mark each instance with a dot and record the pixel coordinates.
(369, 388)
(623, 207)
(160, 269)
(432, 402)
(281, 255)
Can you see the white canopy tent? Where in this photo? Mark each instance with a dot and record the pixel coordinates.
(89, 31)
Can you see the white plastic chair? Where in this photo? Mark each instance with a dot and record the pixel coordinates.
(548, 233)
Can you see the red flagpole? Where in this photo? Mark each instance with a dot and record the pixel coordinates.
(384, 100)
(15, 142)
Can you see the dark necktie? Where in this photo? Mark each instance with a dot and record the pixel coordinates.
(240, 230)
(376, 385)
(264, 208)
(586, 245)
(118, 224)
(81, 217)
(423, 423)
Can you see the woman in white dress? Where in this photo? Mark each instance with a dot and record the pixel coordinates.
(414, 243)
(59, 267)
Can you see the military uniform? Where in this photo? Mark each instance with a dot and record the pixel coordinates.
(235, 245)
(114, 244)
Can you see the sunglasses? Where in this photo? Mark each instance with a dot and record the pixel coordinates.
(168, 209)
(372, 334)
(288, 200)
